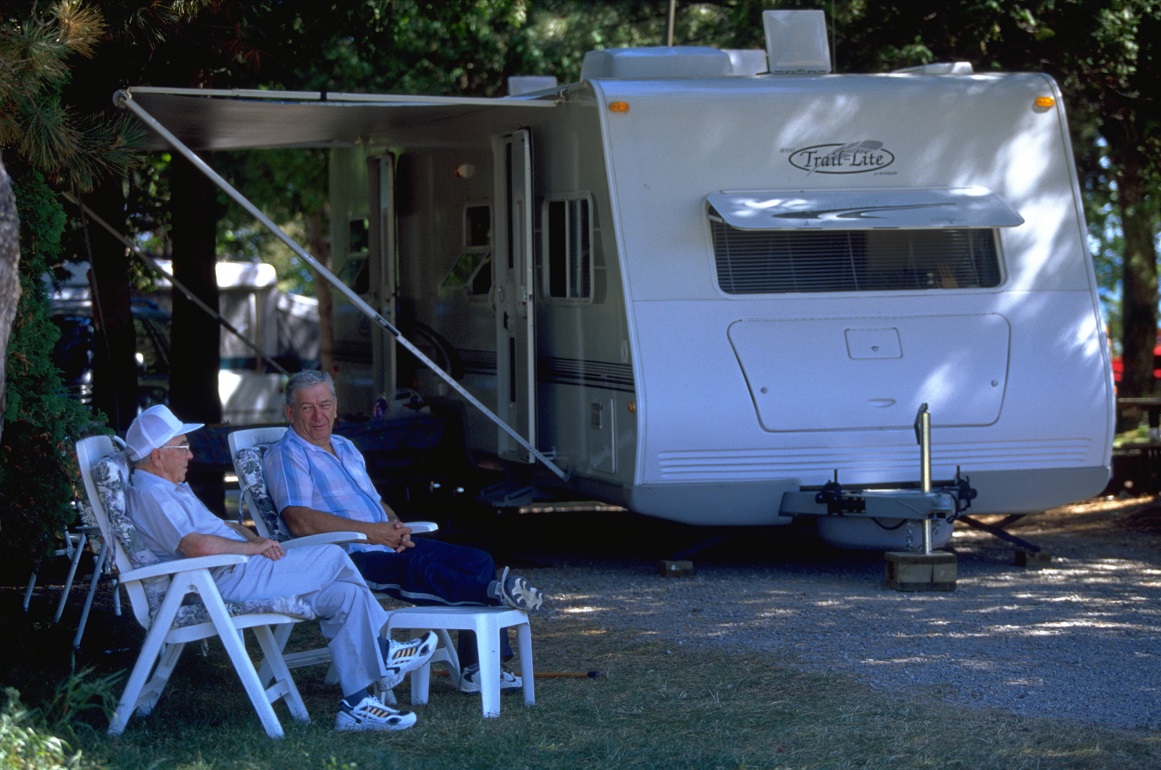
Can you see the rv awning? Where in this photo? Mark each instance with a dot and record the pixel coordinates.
(863, 209)
(240, 120)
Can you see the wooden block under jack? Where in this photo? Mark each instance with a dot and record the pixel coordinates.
(1033, 559)
(908, 571)
(676, 568)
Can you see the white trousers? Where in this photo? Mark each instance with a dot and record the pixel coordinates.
(349, 615)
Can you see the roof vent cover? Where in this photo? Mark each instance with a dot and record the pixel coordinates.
(656, 62)
(796, 42)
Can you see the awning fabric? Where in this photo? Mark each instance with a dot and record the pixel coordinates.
(863, 209)
(239, 120)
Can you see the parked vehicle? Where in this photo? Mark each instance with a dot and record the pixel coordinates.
(73, 353)
(720, 295)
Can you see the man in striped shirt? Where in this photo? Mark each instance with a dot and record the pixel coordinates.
(319, 483)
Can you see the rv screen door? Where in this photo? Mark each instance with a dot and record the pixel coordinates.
(383, 263)
(515, 340)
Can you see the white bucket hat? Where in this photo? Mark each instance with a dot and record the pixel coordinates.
(153, 428)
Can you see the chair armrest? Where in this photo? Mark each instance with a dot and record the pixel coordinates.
(324, 538)
(422, 527)
(182, 565)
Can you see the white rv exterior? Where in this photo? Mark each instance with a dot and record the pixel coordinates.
(688, 382)
(703, 293)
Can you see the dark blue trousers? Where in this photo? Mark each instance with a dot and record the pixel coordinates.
(434, 573)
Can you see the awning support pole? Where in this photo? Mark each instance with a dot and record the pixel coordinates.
(151, 263)
(124, 100)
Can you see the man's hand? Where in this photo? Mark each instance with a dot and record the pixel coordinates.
(196, 544)
(394, 534)
(264, 546)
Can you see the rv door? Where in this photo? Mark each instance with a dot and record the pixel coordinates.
(513, 287)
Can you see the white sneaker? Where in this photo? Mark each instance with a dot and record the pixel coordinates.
(517, 593)
(470, 679)
(371, 714)
(404, 657)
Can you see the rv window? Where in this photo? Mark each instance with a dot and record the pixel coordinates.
(779, 261)
(568, 246)
(477, 227)
(472, 272)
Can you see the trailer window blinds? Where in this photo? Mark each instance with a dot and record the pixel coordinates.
(857, 240)
(568, 245)
(780, 261)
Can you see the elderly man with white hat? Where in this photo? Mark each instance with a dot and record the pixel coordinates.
(174, 523)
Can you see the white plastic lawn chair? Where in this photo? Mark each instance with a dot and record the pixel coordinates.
(158, 593)
(248, 448)
(74, 544)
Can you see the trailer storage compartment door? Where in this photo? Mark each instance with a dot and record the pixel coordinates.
(824, 374)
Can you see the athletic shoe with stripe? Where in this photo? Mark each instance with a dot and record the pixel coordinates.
(371, 714)
(402, 658)
(470, 680)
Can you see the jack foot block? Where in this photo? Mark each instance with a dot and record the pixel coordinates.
(1033, 559)
(676, 568)
(908, 571)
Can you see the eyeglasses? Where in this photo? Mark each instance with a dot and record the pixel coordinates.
(182, 447)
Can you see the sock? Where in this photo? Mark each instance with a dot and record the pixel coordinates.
(494, 590)
(384, 646)
(354, 698)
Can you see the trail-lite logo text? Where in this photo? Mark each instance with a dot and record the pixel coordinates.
(851, 158)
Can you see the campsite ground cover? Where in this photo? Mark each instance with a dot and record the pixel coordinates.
(717, 670)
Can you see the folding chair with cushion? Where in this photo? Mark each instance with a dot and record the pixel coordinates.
(248, 448)
(159, 593)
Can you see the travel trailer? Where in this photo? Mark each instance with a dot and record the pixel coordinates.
(721, 287)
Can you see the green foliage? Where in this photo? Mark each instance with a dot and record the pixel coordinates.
(79, 696)
(36, 46)
(39, 739)
(38, 474)
(25, 745)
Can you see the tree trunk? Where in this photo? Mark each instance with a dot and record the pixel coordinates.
(9, 276)
(114, 338)
(320, 247)
(195, 337)
(1140, 271)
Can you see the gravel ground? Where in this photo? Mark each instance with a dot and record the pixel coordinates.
(1077, 640)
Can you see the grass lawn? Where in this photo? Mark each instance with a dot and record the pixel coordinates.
(652, 707)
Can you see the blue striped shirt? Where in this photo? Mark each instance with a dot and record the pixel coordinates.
(298, 473)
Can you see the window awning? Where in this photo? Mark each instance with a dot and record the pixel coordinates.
(957, 207)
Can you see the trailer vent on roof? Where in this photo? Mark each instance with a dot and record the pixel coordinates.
(783, 261)
(656, 62)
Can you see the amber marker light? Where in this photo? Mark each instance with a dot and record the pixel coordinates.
(618, 106)
(1044, 102)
